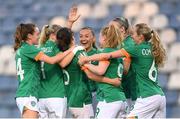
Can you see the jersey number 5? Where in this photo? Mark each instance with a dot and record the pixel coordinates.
(20, 72)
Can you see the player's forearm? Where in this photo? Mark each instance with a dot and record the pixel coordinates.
(126, 65)
(98, 57)
(93, 76)
(115, 82)
(54, 59)
(95, 69)
(69, 24)
(66, 60)
(102, 79)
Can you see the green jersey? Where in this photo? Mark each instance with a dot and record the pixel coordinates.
(92, 84)
(145, 69)
(129, 82)
(51, 83)
(106, 91)
(76, 85)
(28, 70)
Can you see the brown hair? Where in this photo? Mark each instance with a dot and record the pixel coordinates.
(89, 28)
(112, 35)
(47, 30)
(158, 50)
(21, 33)
(64, 38)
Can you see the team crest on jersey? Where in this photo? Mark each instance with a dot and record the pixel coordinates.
(33, 103)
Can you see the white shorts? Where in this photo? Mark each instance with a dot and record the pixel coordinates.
(130, 105)
(85, 112)
(111, 110)
(150, 107)
(52, 107)
(30, 103)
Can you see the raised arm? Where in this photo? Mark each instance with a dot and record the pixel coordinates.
(72, 16)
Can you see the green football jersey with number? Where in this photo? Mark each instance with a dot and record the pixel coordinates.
(51, 83)
(28, 70)
(106, 91)
(76, 83)
(145, 69)
(92, 84)
(129, 81)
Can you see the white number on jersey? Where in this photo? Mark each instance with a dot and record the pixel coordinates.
(20, 72)
(120, 70)
(153, 72)
(67, 78)
(42, 70)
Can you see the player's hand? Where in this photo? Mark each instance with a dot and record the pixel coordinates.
(116, 82)
(77, 48)
(82, 60)
(73, 16)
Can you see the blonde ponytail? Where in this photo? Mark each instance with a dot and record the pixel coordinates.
(44, 36)
(46, 31)
(158, 51)
(112, 35)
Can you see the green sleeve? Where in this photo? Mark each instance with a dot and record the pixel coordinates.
(132, 50)
(31, 51)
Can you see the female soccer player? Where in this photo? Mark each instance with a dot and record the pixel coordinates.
(52, 97)
(28, 68)
(109, 97)
(128, 81)
(88, 39)
(53, 101)
(148, 55)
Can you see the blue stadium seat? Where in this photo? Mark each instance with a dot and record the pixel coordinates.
(171, 97)
(178, 36)
(8, 83)
(116, 10)
(8, 25)
(169, 111)
(167, 8)
(163, 80)
(7, 98)
(175, 21)
(91, 22)
(4, 112)
(2, 37)
(15, 113)
(177, 8)
(175, 112)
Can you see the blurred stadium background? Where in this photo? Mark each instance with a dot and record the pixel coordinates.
(162, 15)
